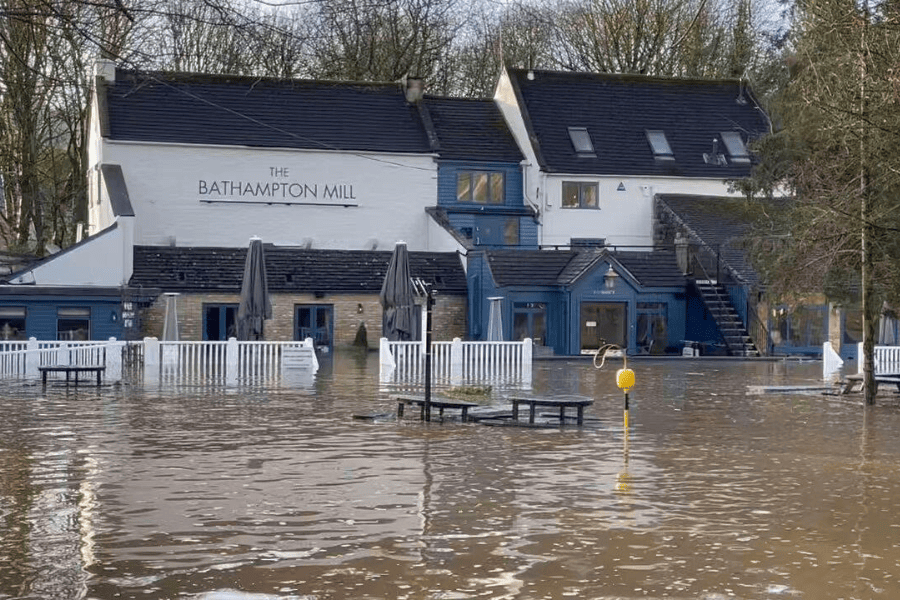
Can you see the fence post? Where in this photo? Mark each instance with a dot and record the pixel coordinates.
(527, 353)
(232, 363)
(456, 362)
(62, 354)
(114, 360)
(860, 358)
(386, 364)
(32, 359)
(151, 360)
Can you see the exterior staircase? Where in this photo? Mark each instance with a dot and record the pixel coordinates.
(718, 303)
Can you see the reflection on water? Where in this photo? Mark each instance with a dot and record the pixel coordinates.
(262, 494)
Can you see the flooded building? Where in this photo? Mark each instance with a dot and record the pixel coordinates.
(552, 200)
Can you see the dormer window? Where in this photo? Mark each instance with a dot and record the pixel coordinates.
(737, 150)
(659, 145)
(581, 141)
(480, 187)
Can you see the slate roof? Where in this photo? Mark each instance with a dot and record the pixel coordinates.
(471, 129)
(720, 223)
(563, 267)
(262, 112)
(617, 110)
(288, 270)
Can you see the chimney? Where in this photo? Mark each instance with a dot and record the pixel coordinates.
(415, 89)
(105, 69)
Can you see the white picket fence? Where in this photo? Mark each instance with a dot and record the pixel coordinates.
(887, 359)
(457, 362)
(230, 362)
(22, 359)
(153, 361)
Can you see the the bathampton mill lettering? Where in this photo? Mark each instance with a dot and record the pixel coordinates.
(280, 188)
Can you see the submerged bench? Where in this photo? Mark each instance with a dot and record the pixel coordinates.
(69, 370)
(436, 403)
(855, 382)
(561, 403)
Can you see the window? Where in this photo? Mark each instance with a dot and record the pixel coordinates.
(12, 323)
(736, 147)
(581, 141)
(73, 323)
(480, 187)
(652, 327)
(576, 194)
(660, 145)
(219, 321)
(511, 232)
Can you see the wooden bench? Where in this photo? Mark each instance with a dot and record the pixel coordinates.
(854, 382)
(561, 403)
(436, 403)
(69, 370)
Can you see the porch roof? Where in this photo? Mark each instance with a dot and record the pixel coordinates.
(288, 270)
(565, 267)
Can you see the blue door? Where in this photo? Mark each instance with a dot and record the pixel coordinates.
(315, 321)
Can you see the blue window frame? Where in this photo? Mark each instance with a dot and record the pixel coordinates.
(314, 321)
(219, 321)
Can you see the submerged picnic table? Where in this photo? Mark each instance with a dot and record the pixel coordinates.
(69, 370)
(561, 403)
(436, 403)
(855, 382)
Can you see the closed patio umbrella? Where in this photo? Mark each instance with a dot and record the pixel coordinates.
(887, 326)
(255, 306)
(495, 320)
(398, 297)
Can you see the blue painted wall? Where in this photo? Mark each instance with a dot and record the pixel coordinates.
(469, 217)
(41, 314)
(563, 304)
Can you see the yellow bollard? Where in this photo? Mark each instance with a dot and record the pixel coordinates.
(625, 381)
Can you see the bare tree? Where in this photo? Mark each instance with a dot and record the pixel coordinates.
(382, 40)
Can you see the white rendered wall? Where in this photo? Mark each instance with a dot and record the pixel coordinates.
(625, 216)
(221, 196)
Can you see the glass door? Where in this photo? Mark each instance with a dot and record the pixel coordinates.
(603, 323)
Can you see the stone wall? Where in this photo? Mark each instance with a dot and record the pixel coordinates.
(350, 313)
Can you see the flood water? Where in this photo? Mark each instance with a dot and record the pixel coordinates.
(718, 491)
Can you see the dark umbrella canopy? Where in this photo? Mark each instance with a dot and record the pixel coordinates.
(398, 298)
(255, 306)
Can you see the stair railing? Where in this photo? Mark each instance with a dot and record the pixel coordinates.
(759, 330)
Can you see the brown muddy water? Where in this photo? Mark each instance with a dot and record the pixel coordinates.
(718, 491)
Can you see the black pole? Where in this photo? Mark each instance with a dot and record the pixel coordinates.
(429, 302)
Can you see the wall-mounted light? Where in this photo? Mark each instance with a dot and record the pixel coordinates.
(113, 316)
(610, 278)
(359, 309)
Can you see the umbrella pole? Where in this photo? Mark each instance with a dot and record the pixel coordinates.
(429, 302)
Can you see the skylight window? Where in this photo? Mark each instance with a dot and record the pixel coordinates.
(660, 145)
(581, 140)
(737, 150)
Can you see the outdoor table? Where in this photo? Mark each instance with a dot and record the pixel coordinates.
(855, 381)
(440, 404)
(561, 403)
(69, 370)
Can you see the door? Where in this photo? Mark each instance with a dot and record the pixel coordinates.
(530, 321)
(603, 323)
(315, 321)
